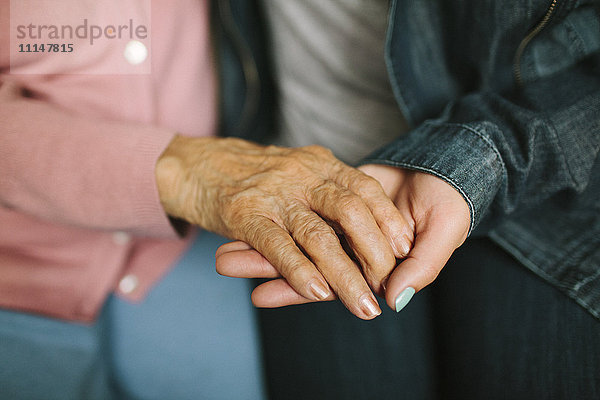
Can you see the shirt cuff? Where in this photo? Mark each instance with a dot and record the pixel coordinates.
(460, 154)
(149, 215)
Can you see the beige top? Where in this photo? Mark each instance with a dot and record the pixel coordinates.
(332, 77)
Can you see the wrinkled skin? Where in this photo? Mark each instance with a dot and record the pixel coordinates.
(284, 206)
(436, 213)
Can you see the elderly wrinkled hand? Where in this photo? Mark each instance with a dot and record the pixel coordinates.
(437, 215)
(288, 204)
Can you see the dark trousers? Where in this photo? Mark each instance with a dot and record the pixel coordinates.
(486, 329)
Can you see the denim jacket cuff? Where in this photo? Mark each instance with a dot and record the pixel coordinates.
(457, 153)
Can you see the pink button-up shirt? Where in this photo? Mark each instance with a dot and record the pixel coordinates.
(79, 138)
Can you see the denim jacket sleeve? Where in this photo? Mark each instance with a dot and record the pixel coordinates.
(501, 152)
(506, 146)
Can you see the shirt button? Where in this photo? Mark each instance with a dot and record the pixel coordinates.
(128, 284)
(121, 238)
(135, 52)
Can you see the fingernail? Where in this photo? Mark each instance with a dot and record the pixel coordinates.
(318, 290)
(369, 305)
(403, 298)
(403, 245)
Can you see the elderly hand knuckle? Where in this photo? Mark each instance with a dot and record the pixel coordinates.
(351, 205)
(293, 269)
(371, 185)
(235, 214)
(378, 263)
(245, 229)
(383, 260)
(368, 187)
(314, 235)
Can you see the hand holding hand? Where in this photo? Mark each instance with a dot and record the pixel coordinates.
(283, 202)
(438, 218)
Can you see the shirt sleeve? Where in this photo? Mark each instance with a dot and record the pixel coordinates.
(77, 170)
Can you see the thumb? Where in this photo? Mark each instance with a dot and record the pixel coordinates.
(433, 246)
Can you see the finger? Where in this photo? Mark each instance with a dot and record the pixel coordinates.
(232, 246)
(434, 244)
(350, 214)
(278, 293)
(276, 245)
(245, 264)
(397, 229)
(320, 242)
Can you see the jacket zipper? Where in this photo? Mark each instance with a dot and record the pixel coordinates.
(534, 32)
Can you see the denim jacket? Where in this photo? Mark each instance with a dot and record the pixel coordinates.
(503, 99)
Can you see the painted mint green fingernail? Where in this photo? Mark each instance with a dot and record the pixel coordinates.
(403, 298)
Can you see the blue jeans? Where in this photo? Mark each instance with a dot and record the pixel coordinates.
(194, 337)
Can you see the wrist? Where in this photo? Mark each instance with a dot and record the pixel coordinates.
(168, 173)
(180, 171)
